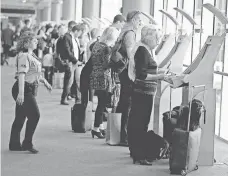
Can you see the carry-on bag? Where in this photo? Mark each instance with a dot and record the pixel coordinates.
(185, 146)
(82, 118)
(113, 128)
(57, 82)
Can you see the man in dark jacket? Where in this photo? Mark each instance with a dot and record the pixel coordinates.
(70, 55)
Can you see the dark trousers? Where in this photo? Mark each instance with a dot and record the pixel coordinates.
(30, 110)
(68, 80)
(102, 96)
(87, 95)
(138, 124)
(6, 49)
(48, 74)
(124, 105)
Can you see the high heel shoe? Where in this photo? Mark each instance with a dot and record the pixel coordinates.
(103, 132)
(98, 134)
(142, 162)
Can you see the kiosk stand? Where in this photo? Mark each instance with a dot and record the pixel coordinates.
(201, 72)
(173, 61)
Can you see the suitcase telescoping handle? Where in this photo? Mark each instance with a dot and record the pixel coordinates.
(190, 103)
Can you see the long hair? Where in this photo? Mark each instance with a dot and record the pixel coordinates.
(24, 40)
(109, 34)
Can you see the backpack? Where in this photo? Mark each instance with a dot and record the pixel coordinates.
(119, 60)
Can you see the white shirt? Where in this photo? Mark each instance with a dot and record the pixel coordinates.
(75, 42)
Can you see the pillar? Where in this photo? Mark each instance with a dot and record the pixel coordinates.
(46, 13)
(39, 15)
(90, 9)
(78, 13)
(144, 6)
(56, 11)
(68, 10)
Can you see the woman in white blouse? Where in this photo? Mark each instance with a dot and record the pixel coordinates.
(24, 91)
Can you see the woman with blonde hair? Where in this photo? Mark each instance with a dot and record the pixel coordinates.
(145, 79)
(24, 91)
(100, 78)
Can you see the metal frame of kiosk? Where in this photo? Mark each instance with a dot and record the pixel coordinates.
(201, 72)
(174, 60)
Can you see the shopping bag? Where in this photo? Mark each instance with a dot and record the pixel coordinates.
(113, 129)
(58, 80)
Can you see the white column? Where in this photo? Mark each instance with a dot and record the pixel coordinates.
(46, 13)
(78, 13)
(56, 11)
(39, 15)
(90, 9)
(141, 5)
(68, 10)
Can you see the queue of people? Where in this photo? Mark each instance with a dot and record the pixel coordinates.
(85, 56)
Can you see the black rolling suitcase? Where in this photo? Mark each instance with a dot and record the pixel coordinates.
(78, 116)
(185, 148)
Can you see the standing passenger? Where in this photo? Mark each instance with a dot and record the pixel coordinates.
(129, 40)
(24, 92)
(100, 78)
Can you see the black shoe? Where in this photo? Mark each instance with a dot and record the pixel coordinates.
(30, 149)
(103, 132)
(123, 144)
(142, 162)
(98, 134)
(15, 148)
(64, 103)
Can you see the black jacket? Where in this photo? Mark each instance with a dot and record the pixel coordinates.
(67, 52)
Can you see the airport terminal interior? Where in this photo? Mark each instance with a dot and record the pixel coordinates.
(114, 87)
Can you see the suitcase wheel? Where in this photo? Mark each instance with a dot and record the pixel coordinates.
(196, 168)
(183, 173)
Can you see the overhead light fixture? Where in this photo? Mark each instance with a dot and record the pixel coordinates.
(24, 1)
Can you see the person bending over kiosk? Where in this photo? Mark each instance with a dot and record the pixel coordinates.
(144, 88)
(24, 91)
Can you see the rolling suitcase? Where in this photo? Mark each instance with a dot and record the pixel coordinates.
(78, 115)
(82, 118)
(185, 148)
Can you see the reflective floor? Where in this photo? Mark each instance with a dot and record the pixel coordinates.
(65, 153)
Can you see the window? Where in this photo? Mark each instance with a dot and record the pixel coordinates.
(188, 8)
(158, 5)
(171, 27)
(114, 5)
(224, 112)
(207, 22)
(197, 36)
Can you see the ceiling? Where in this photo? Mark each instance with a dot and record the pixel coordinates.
(21, 4)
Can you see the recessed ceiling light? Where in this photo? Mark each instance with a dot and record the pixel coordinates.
(24, 1)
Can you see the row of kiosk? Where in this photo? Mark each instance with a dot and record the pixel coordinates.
(175, 90)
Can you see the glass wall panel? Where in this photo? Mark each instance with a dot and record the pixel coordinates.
(207, 22)
(158, 5)
(171, 27)
(217, 86)
(187, 27)
(197, 17)
(224, 109)
(224, 112)
(114, 5)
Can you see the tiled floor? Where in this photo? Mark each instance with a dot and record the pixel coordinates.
(65, 153)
